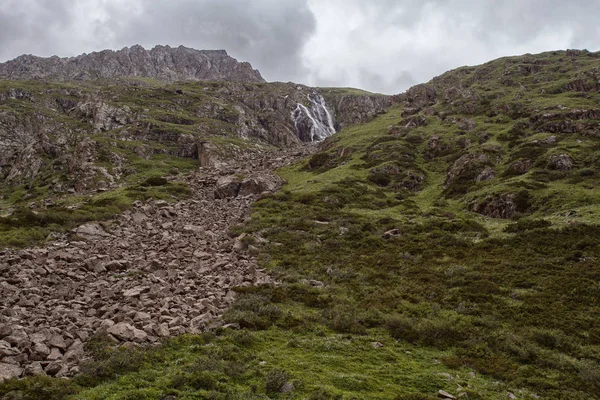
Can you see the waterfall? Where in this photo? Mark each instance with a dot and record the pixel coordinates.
(315, 123)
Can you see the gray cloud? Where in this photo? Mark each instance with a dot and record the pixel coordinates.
(269, 33)
(379, 45)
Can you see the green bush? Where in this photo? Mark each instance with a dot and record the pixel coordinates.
(154, 181)
(526, 225)
(275, 380)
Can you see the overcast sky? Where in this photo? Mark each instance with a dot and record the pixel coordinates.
(379, 45)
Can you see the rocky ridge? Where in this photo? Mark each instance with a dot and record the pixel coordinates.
(91, 133)
(162, 62)
(156, 271)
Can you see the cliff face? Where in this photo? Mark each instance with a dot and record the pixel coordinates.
(90, 134)
(162, 62)
(356, 108)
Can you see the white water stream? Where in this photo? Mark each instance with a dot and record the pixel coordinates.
(315, 123)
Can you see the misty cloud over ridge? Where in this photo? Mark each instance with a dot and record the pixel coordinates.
(381, 45)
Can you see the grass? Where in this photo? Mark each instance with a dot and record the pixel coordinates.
(459, 301)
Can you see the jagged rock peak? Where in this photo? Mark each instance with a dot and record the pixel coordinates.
(162, 62)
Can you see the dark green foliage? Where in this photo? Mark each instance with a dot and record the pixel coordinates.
(275, 380)
(254, 312)
(526, 225)
(154, 181)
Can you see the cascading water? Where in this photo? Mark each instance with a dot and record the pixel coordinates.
(315, 123)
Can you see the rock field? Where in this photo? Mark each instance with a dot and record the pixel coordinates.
(159, 270)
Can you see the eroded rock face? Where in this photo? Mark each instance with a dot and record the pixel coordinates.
(354, 109)
(162, 62)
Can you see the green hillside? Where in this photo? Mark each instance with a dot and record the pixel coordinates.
(450, 244)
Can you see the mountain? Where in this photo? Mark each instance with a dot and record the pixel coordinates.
(162, 62)
(442, 244)
(83, 137)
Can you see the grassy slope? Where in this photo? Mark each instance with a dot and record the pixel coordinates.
(460, 301)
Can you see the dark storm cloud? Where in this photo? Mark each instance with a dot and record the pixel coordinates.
(379, 45)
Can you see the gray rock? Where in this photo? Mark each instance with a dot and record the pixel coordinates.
(127, 333)
(487, 174)
(58, 341)
(561, 162)
(227, 186)
(42, 350)
(8, 371)
(91, 231)
(54, 355)
(34, 369)
(445, 395)
(136, 291)
(5, 330)
(53, 368)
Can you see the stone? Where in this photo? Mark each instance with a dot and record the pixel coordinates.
(487, 174)
(227, 186)
(253, 186)
(113, 266)
(519, 167)
(193, 228)
(141, 317)
(42, 350)
(377, 345)
(287, 387)
(58, 341)
(392, 233)
(5, 330)
(6, 350)
(162, 330)
(561, 162)
(201, 255)
(239, 244)
(17, 338)
(499, 206)
(127, 333)
(8, 371)
(91, 231)
(54, 355)
(75, 352)
(34, 369)
(136, 291)
(53, 368)
(445, 395)
(466, 124)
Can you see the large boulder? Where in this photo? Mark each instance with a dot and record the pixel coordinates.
(561, 162)
(227, 186)
(127, 333)
(8, 371)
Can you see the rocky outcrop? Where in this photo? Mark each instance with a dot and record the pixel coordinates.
(501, 206)
(561, 162)
(159, 270)
(162, 62)
(469, 167)
(356, 109)
(52, 130)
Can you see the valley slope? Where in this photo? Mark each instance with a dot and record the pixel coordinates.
(449, 244)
